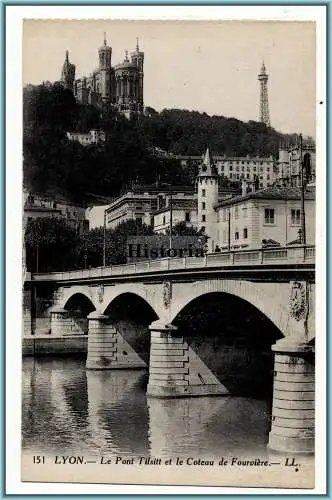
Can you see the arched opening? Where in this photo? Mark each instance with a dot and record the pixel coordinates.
(234, 340)
(79, 307)
(131, 316)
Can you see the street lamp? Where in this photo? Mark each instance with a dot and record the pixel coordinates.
(104, 240)
(302, 196)
(170, 218)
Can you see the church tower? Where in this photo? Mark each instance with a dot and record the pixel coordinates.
(264, 115)
(105, 60)
(207, 198)
(68, 73)
(137, 58)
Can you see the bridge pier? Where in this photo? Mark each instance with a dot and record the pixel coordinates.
(293, 413)
(107, 349)
(61, 323)
(175, 370)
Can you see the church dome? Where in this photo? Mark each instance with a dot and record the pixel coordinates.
(126, 65)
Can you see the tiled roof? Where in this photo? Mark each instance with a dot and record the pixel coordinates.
(273, 193)
(179, 205)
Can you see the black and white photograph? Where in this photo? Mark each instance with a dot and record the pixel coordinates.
(169, 222)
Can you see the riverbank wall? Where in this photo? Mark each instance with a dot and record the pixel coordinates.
(66, 345)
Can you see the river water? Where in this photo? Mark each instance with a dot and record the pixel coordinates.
(67, 409)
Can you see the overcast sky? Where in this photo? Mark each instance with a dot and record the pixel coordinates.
(206, 66)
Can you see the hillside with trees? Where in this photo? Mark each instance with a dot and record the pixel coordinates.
(54, 165)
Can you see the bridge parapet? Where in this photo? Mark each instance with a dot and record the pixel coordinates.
(259, 257)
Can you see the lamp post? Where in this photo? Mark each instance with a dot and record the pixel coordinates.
(170, 218)
(229, 229)
(302, 195)
(104, 240)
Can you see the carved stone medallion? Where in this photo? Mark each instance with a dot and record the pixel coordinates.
(298, 301)
(100, 293)
(167, 293)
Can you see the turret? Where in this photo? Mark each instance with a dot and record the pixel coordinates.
(207, 198)
(68, 73)
(137, 58)
(105, 61)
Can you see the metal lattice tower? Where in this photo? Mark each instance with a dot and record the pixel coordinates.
(264, 115)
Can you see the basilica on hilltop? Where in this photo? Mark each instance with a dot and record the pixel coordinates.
(120, 86)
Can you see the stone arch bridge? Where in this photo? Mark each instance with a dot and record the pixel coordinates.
(280, 283)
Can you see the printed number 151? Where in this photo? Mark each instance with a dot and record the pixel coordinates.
(38, 459)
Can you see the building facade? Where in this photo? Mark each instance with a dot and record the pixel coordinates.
(141, 203)
(288, 165)
(35, 206)
(259, 169)
(121, 86)
(86, 139)
(266, 217)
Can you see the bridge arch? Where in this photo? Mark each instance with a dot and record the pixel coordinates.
(133, 302)
(262, 296)
(78, 302)
(233, 338)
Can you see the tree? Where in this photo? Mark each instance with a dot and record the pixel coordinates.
(51, 245)
(91, 246)
(182, 229)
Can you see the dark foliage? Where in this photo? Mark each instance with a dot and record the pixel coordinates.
(54, 164)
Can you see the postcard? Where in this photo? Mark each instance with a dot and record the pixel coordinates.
(169, 222)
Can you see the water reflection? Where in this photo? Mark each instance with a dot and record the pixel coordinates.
(67, 409)
(208, 426)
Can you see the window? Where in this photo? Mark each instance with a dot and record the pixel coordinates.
(261, 177)
(245, 233)
(139, 220)
(237, 169)
(242, 169)
(203, 218)
(268, 169)
(222, 168)
(203, 229)
(203, 205)
(236, 212)
(269, 216)
(248, 176)
(187, 216)
(255, 168)
(164, 220)
(236, 235)
(295, 216)
(203, 192)
(244, 212)
(237, 162)
(261, 185)
(230, 168)
(268, 177)
(238, 176)
(243, 163)
(230, 176)
(261, 169)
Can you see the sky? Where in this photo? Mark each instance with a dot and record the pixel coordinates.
(208, 66)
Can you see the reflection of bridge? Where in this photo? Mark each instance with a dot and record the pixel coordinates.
(279, 282)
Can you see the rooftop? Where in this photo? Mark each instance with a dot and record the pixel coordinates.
(273, 193)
